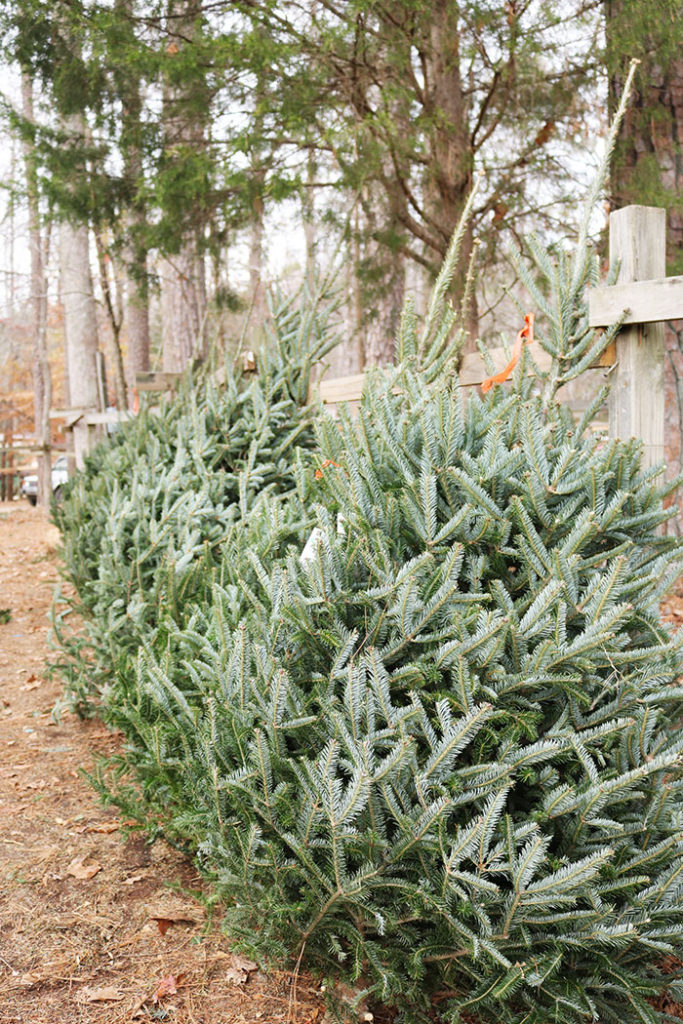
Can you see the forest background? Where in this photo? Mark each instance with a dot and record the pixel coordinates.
(165, 163)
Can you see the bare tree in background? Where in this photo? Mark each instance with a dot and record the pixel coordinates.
(42, 380)
(136, 319)
(80, 315)
(183, 276)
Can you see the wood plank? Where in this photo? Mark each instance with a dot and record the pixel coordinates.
(112, 416)
(647, 302)
(31, 448)
(636, 400)
(66, 414)
(162, 380)
(473, 369)
(91, 417)
(154, 386)
(168, 375)
(341, 389)
(472, 372)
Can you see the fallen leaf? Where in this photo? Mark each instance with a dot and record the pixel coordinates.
(32, 683)
(29, 979)
(133, 879)
(79, 869)
(166, 987)
(166, 916)
(103, 826)
(173, 915)
(240, 969)
(235, 976)
(99, 995)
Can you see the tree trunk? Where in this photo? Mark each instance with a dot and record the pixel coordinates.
(256, 287)
(671, 163)
(137, 323)
(380, 339)
(451, 158)
(183, 275)
(111, 290)
(183, 308)
(42, 379)
(80, 319)
(308, 216)
(381, 277)
(134, 252)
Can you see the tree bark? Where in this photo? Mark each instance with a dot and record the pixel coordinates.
(183, 275)
(137, 322)
(42, 379)
(256, 285)
(136, 317)
(183, 308)
(380, 338)
(111, 285)
(451, 164)
(381, 284)
(308, 216)
(80, 318)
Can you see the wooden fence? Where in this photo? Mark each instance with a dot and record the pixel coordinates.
(637, 236)
(636, 358)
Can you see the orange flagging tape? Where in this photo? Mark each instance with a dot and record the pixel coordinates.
(326, 463)
(526, 334)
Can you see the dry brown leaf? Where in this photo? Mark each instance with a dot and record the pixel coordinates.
(162, 913)
(167, 916)
(99, 995)
(79, 869)
(168, 986)
(240, 969)
(30, 979)
(28, 686)
(235, 976)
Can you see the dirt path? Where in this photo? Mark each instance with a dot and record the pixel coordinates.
(82, 910)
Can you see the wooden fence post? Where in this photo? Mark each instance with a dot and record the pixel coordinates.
(637, 239)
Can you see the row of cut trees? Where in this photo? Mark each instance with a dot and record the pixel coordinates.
(166, 131)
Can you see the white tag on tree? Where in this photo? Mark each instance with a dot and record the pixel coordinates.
(311, 545)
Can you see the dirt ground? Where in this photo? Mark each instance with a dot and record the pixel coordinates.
(94, 927)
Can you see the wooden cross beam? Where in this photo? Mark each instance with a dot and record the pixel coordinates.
(637, 242)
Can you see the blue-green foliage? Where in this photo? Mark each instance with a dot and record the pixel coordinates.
(142, 524)
(437, 757)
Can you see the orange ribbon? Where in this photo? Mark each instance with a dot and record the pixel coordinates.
(326, 463)
(526, 334)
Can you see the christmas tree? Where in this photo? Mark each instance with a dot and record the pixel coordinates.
(143, 523)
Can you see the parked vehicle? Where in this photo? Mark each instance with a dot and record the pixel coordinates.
(60, 475)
